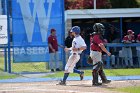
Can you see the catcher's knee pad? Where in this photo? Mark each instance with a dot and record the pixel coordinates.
(99, 66)
(100, 63)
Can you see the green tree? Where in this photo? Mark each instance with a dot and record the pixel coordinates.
(124, 3)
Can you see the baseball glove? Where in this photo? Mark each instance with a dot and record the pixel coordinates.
(89, 60)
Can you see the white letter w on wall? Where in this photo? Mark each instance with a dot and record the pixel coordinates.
(38, 11)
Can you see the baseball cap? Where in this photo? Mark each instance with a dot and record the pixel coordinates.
(130, 32)
(53, 30)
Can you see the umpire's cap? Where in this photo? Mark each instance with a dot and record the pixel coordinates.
(75, 29)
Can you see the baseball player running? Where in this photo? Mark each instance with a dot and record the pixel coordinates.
(78, 45)
(97, 47)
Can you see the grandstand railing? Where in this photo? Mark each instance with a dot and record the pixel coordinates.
(109, 45)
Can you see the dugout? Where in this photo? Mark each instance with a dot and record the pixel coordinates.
(128, 23)
(120, 19)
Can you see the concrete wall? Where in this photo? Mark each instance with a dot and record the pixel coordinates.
(68, 26)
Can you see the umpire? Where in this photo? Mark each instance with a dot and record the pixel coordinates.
(96, 49)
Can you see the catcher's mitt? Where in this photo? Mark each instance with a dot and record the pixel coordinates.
(89, 60)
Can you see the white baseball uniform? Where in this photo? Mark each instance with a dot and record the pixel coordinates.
(77, 42)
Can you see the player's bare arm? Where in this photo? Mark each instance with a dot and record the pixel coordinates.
(61, 46)
(82, 48)
(67, 49)
(104, 49)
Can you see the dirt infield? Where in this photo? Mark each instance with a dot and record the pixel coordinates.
(71, 87)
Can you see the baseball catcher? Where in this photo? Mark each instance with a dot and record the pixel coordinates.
(97, 47)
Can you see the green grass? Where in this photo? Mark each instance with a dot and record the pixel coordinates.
(7, 76)
(4, 75)
(109, 72)
(21, 67)
(122, 72)
(25, 67)
(1, 63)
(135, 89)
(29, 67)
(40, 67)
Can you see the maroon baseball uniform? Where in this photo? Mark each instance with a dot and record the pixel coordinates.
(53, 41)
(95, 42)
(129, 38)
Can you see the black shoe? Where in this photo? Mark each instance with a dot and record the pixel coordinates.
(52, 70)
(62, 83)
(106, 82)
(58, 69)
(82, 75)
(97, 84)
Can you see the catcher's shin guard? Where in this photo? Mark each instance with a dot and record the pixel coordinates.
(103, 77)
(95, 79)
(98, 66)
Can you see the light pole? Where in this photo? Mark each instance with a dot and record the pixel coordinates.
(0, 7)
(94, 1)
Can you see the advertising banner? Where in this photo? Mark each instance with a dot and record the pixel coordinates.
(31, 24)
(3, 29)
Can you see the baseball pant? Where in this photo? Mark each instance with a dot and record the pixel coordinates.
(54, 59)
(127, 52)
(96, 57)
(73, 59)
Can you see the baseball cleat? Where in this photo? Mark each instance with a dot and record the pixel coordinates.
(82, 75)
(106, 82)
(96, 84)
(62, 83)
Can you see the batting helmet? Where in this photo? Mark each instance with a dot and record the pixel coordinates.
(130, 32)
(75, 29)
(99, 28)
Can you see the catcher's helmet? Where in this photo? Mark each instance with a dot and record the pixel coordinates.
(99, 28)
(75, 29)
